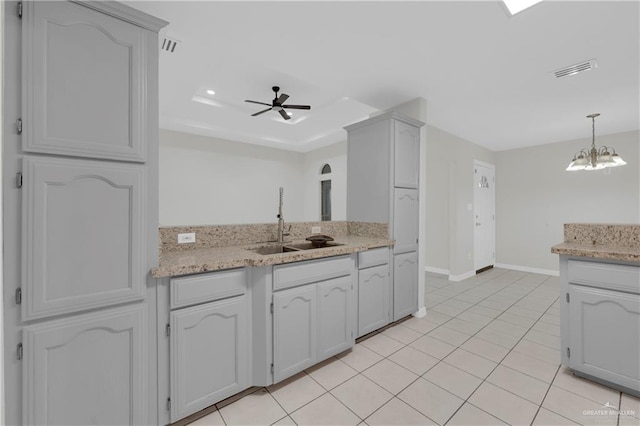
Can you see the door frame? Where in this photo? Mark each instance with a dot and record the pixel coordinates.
(477, 163)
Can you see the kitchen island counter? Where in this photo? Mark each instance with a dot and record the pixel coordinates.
(598, 251)
(601, 241)
(600, 303)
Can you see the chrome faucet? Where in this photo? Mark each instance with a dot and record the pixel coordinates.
(281, 233)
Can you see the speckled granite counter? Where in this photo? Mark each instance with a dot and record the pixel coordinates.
(174, 263)
(229, 246)
(601, 241)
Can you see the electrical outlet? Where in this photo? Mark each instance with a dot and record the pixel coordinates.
(316, 229)
(187, 238)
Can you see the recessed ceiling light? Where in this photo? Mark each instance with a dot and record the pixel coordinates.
(516, 6)
(210, 92)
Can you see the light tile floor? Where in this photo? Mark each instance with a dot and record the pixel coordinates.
(485, 354)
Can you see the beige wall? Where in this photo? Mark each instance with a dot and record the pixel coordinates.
(206, 181)
(449, 194)
(535, 196)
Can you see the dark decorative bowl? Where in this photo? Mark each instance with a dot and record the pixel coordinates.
(318, 241)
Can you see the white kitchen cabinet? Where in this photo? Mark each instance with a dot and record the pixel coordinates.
(373, 298)
(295, 325)
(80, 234)
(383, 172)
(72, 262)
(405, 286)
(85, 81)
(405, 220)
(87, 369)
(210, 354)
(406, 155)
(315, 319)
(336, 316)
(600, 321)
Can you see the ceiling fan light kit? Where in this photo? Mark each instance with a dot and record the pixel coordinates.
(595, 158)
(277, 105)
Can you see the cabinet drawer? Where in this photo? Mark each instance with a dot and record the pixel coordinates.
(291, 275)
(373, 257)
(206, 287)
(605, 275)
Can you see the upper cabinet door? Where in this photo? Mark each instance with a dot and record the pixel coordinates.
(83, 243)
(407, 155)
(84, 83)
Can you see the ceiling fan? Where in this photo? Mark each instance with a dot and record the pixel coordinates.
(277, 104)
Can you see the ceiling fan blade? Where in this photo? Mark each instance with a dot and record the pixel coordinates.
(261, 112)
(256, 102)
(284, 114)
(282, 98)
(297, 106)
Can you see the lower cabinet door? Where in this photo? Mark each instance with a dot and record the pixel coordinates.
(336, 316)
(605, 335)
(209, 354)
(294, 331)
(373, 299)
(405, 284)
(87, 369)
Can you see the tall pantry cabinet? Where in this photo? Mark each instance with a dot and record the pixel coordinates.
(80, 206)
(383, 174)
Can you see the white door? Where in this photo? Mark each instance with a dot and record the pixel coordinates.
(484, 195)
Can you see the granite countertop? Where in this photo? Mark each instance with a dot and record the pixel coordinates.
(175, 263)
(601, 241)
(598, 251)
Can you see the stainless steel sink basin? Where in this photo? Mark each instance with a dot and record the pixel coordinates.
(287, 248)
(273, 250)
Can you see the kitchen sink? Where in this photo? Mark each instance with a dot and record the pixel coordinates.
(287, 248)
(273, 250)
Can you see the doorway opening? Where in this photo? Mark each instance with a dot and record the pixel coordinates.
(325, 193)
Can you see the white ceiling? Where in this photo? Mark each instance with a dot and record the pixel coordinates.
(487, 76)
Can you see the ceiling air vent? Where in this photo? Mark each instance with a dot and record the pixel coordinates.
(576, 68)
(169, 44)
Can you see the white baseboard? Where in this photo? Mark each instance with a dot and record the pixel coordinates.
(461, 277)
(422, 312)
(528, 269)
(436, 270)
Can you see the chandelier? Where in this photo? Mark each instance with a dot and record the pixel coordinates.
(595, 158)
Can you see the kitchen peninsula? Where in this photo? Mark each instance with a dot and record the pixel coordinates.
(600, 303)
(236, 310)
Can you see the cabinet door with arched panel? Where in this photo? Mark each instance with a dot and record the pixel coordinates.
(84, 82)
(83, 239)
(87, 369)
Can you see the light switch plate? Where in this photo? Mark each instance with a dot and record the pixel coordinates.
(187, 238)
(316, 229)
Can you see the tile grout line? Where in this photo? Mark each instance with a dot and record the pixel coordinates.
(510, 350)
(537, 293)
